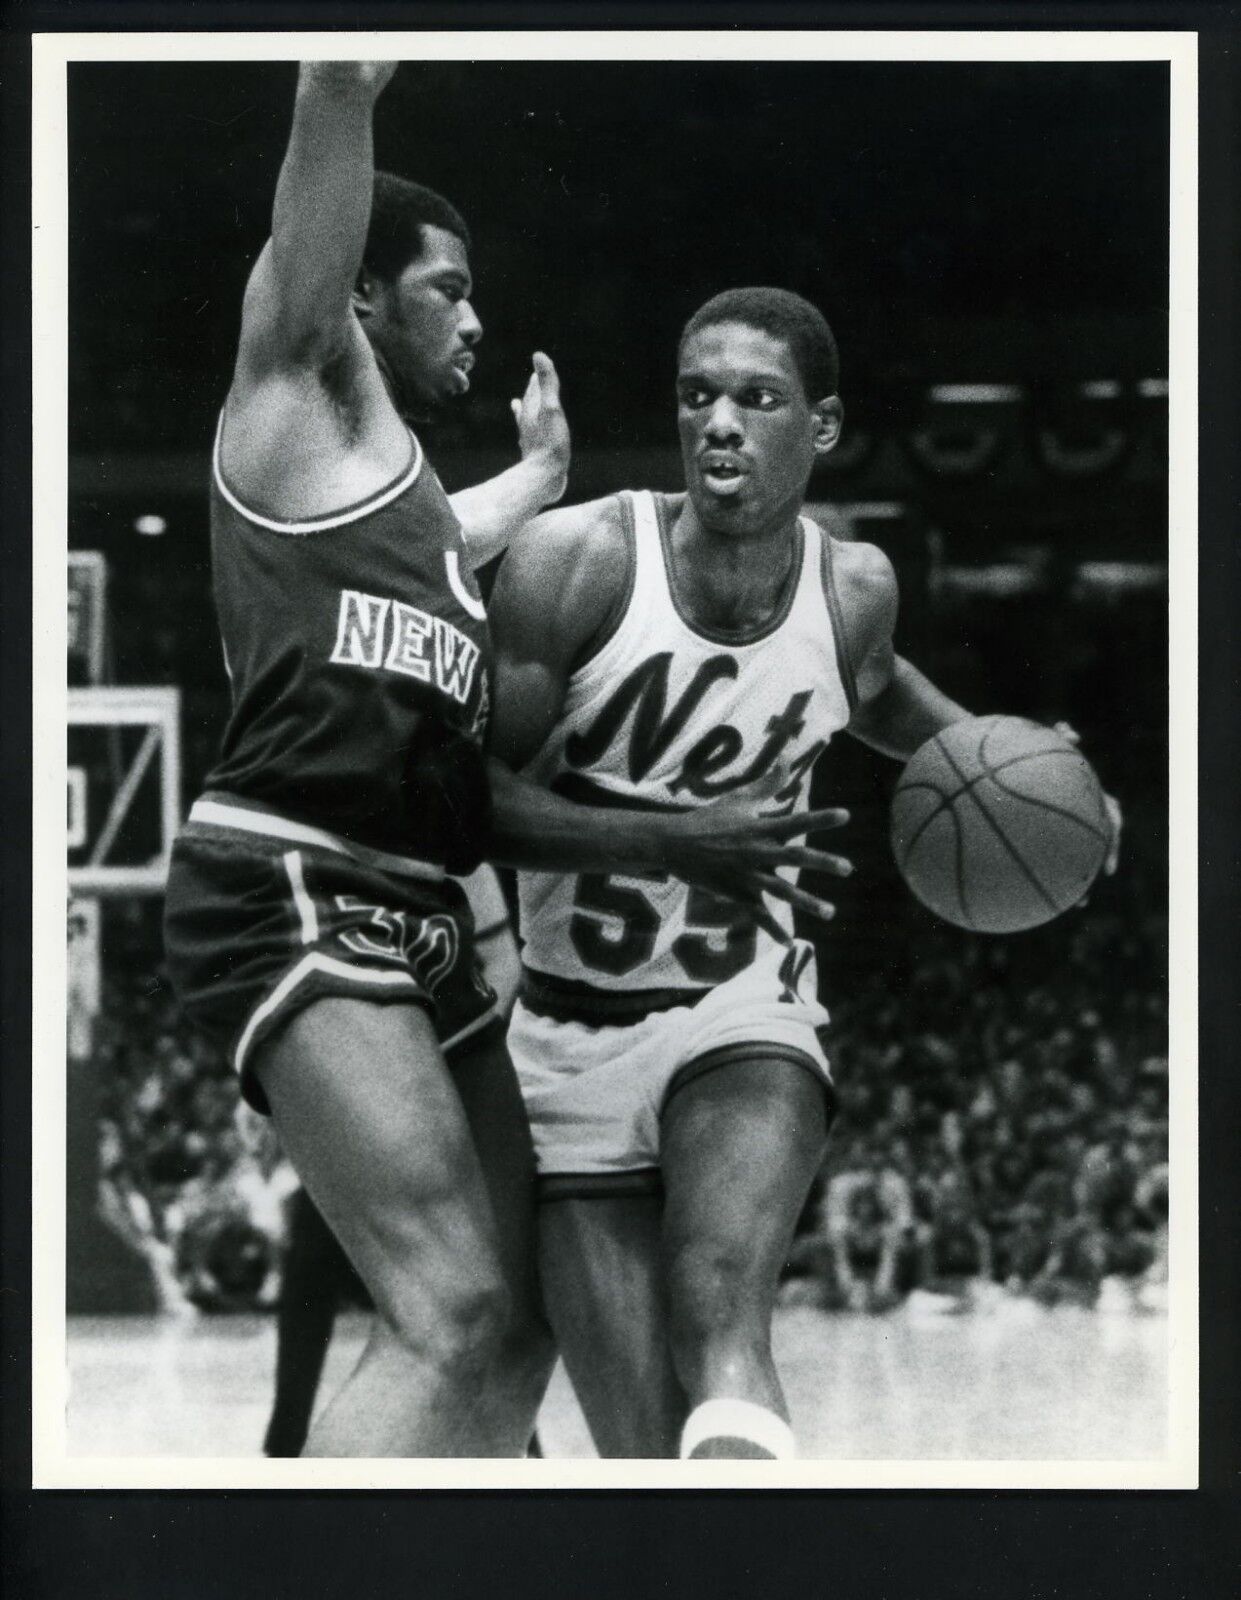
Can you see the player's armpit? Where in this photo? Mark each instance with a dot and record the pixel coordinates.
(1115, 814)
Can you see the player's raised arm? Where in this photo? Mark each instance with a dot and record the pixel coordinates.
(297, 307)
(491, 513)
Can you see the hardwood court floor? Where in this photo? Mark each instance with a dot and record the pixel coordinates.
(1016, 1383)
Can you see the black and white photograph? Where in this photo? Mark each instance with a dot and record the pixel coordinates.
(618, 615)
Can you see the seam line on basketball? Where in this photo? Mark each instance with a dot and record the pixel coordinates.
(1059, 811)
(959, 852)
(1003, 837)
(1026, 755)
(1103, 836)
(967, 784)
(946, 802)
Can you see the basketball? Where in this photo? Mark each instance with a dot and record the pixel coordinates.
(999, 824)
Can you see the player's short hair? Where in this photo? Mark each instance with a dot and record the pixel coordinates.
(400, 209)
(786, 316)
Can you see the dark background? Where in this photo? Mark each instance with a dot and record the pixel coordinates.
(959, 223)
(952, 219)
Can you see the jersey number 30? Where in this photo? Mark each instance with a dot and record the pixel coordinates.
(719, 938)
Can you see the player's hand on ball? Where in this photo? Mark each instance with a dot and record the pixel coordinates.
(1115, 814)
(1000, 824)
(1117, 818)
(543, 429)
(729, 850)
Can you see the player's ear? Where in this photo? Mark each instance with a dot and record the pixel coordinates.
(364, 294)
(829, 416)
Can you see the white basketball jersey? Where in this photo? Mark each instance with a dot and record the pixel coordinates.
(671, 716)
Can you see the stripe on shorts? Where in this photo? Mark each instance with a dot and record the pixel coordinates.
(316, 961)
(306, 912)
(245, 819)
(599, 1185)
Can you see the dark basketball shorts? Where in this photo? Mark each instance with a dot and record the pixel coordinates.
(264, 915)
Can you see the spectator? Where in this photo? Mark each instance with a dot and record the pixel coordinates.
(954, 1249)
(868, 1219)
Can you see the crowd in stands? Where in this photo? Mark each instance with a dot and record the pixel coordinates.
(1002, 1129)
(999, 1130)
(187, 1172)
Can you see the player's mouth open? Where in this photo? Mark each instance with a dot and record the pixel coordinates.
(722, 475)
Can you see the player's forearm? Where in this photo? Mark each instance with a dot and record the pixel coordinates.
(905, 714)
(323, 196)
(533, 828)
(492, 513)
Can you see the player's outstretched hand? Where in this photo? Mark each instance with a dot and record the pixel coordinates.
(380, 73)
(542, 427)
(726, 848)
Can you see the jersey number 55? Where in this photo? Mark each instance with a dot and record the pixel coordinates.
(614, 929)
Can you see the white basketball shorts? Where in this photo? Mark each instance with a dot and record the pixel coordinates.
(595, 1096)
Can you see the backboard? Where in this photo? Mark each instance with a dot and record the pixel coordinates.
(124, 788)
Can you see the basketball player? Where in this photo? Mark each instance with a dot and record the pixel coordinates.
(654, 653)
(310, 924)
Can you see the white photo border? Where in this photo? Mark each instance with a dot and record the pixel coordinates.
(53, 1466)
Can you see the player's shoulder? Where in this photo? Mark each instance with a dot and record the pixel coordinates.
(569, 566)
(573, 548)
(865, 582)
(593, 526)
(865, 586)
(861, 567)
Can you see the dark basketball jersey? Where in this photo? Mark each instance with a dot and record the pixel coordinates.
(346, 638)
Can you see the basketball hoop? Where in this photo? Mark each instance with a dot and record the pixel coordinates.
(123, 799)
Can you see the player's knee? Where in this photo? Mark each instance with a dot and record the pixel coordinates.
(460, 1328)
